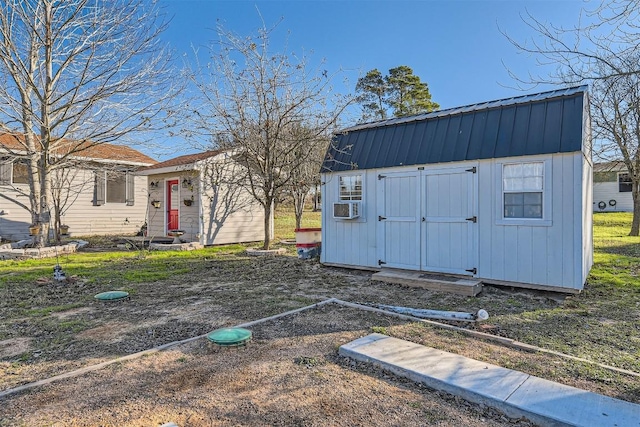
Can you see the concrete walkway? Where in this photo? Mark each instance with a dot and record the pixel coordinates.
(515, 393)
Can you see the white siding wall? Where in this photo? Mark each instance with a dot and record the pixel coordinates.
(555, 254)
(244, 225)
(350, 242)
(240, 219)
(606, 191)
(188, 216)
(82, 216)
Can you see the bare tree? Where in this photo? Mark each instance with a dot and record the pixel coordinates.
(603, 50)
(252, 98)
(306, 175)
(75, 74)
(66, 186)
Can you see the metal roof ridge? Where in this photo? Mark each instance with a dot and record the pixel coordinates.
(485, 105)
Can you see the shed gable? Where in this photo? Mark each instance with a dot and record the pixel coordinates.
(545, 123)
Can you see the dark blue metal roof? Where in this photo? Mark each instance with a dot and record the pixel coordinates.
(544, 123)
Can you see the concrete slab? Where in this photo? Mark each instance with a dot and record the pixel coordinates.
(433, 282)
(515, 393)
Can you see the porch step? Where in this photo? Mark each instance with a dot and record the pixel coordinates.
(432, 282)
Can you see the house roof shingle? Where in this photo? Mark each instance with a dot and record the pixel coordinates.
(102, 151)
(187, 159)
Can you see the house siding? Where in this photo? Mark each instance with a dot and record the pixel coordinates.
(607, 191)
(245, 224)
(83, 218)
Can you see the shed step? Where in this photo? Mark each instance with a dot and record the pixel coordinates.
(432, 282)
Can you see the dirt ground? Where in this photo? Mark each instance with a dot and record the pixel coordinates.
(290, 374)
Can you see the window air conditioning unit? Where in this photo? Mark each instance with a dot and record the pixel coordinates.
(346, 210)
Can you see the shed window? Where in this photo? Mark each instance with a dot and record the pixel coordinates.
(522, 187)
(351, 187)
(624, 183)
(13, 171)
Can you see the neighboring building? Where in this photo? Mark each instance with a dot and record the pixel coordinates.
(203, 196)
(105, 197)
(501, 191)
(611, 188)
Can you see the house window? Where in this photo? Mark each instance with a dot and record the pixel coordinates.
(13, 171)
(522, 188)
(20, 172)
(624, 183)
(116, 187)
(113, 187)
(351, 187)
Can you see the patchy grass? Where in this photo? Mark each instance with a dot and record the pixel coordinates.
(177, 295)
(285, 222)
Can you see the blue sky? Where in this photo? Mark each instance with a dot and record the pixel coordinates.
(455, 46)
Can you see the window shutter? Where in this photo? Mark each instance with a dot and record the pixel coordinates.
(99, 189)
(5, 171)
(131, 188)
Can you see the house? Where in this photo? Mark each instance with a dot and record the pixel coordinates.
(203, 195)
(611, 188)
(101, 195)
(500, 191)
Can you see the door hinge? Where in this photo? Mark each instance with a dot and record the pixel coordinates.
(381, 218)
(472, 270)
(381, 176)
(472, 170)
(421, 168)
(380, 262)
(473, 219)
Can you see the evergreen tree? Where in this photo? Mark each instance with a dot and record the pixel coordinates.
(401, 91)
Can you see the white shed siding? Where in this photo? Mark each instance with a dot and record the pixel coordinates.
(545, 253)
(350, 242)
(607, 191)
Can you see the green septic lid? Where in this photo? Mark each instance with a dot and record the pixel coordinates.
(112, 295)
(230, 336)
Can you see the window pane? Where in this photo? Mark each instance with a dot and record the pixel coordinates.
(20, 173)
(512, 184)
(624, 183)
(116, 188)
(513, 198)
(532, 183)
(513, 211)
(512, 171)
(523, 205)
(532, 211)
(351, 187)
(532, 198)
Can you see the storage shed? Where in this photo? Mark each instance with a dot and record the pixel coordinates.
(500, 191)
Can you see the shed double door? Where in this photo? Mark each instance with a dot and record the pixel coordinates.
(427, 220)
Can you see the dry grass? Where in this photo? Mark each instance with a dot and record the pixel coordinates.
(290, 374)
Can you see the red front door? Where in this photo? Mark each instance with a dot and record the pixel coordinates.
(173, 221)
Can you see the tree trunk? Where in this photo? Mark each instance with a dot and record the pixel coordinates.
(267, 224)
(635, 224)
(298, 206)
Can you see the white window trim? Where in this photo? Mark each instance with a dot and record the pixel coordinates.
(363, 177)
(545, 221)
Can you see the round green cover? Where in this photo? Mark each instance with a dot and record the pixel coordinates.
(230, 336)
(112, 295)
